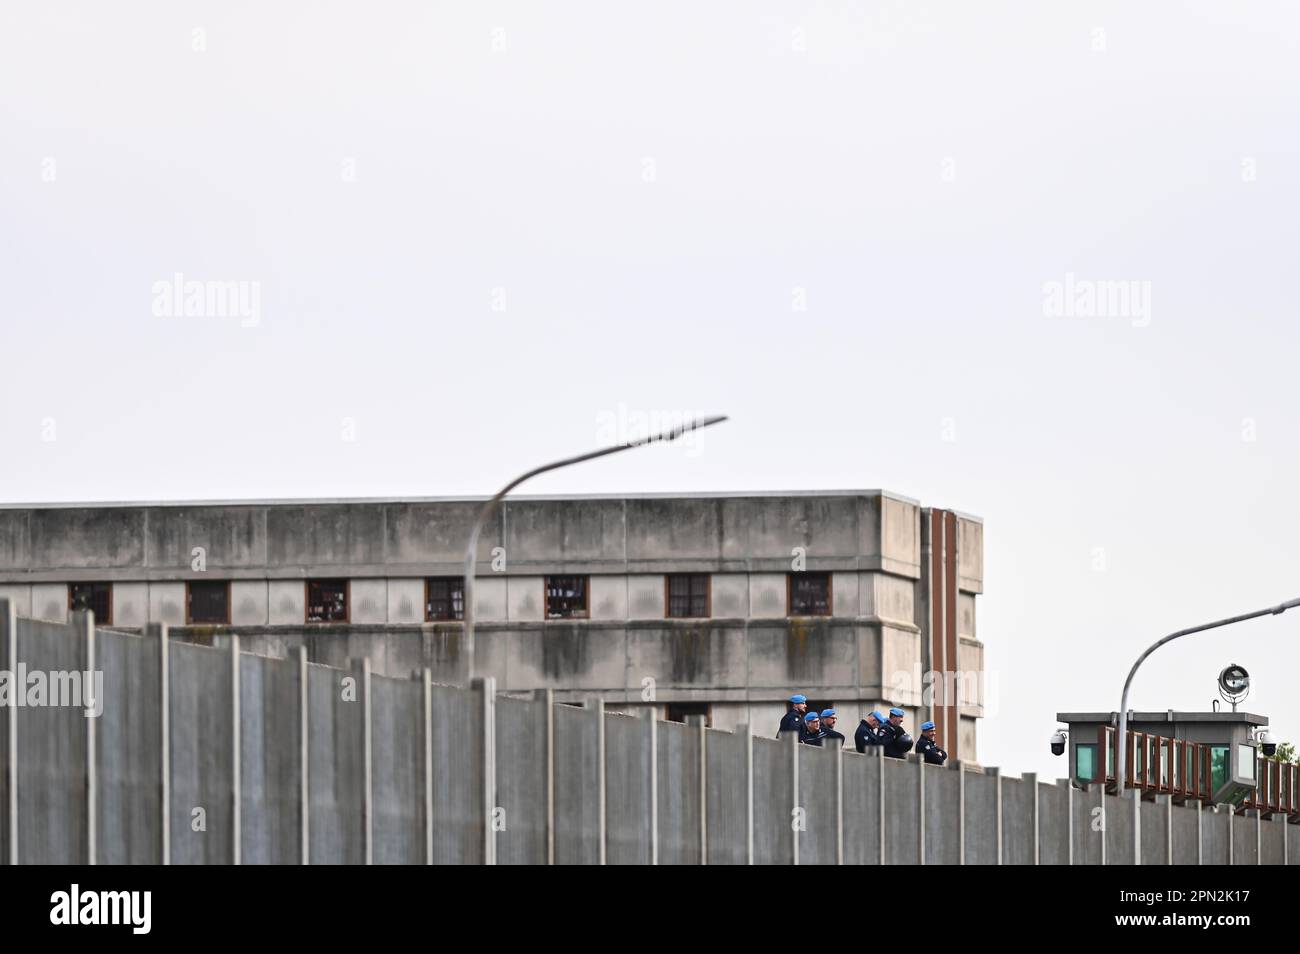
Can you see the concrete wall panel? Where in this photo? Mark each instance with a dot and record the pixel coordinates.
(270, 761)
(627, 787)
(130, 605)
(406, 600)
(50, 601)
(369, 601)
(287, 602)
(679, 793)
(521, 780)
(730, 595)
(728, 794)
(202, 755)
(397, 737)
(608, 597)
(249, 603)
(166, 604)
(231, 537)
(817, 798)
(774, 801)
(577, 787)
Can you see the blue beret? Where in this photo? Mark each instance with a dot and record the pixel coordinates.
(827, 712)
(897, 712)
(879, 717)
(810, 716)
(927, 726)
(798, 699)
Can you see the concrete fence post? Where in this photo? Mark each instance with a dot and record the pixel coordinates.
(83, 625)
(9, 644)
(1137, 825)
(599, 710)
(997, 807)
(793, 744)
(749, 792)
(920, 808)
(1232, 848)
(9, 620)
(236, 769)
(878, 751)
(1069, 820)
(1101, 801)
(159, 631)
(548, 699)
(304, 753)
(1200, 840)
(487, 685)
(652, 731)
(428, 764)
(839, 804)
(961, 812)
(704, 792)
(1169, 829)
(1030, 781)
(1259, 840)
(362, 669)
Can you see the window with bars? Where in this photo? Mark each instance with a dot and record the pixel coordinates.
(207, 601)
(444, 598)
(97, 597)
(688, 595)
(566, 597)
(809, 594)
(327, 601)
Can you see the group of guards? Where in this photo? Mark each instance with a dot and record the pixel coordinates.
(818, 728)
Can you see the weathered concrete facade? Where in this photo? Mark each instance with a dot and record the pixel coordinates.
(903, 578)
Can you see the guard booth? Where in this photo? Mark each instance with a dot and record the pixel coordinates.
(1211, 757)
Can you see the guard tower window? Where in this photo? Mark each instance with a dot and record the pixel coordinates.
(680, 711)
(1219, 770)
(1085, 761)
(809, 594)
(327, 601)
(96, 597)
(566, 597)
(444, 598)
(1246, 755)
(688, 595)
(207, 601)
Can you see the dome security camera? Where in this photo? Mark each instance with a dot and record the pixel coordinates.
(1266, 744)
(1058, 742)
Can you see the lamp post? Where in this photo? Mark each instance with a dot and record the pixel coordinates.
(485, 513)
(1121, 739)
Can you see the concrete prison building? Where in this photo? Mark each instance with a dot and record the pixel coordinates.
(719, 605)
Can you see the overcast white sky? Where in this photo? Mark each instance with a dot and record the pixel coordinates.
(476, 230)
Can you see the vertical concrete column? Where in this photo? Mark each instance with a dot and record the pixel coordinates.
(749, 791)
(839, 805)
(997, 807)
(878, 751)
(304, 752)
(83, 625)
(1069, 820)
(428, 764)
(1030, 781)
(1200, 840)
(704, 792)
(961, 812)
(599, 711)
(236, 772)
(1232, 849)
(362, 669)
(1259, 823)
(548, 699)
(158, 631)
(1101, 801)
(653, 780)
(793, 744)
(1137, 823)
(1169, 829)
(9, 639)
(920, 808)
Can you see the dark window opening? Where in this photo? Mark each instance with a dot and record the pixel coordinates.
(327, 601)
(96, 597)
(681, 711)
(810, 594)
(444, 598)
(566, 597)
(207, 602)
(688, 595)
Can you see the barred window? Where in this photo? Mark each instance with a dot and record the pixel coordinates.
(207, 601)
(566, 597)
(444, 598)
(97, 597)
(327, 601)
(809, 594)
(688, 595)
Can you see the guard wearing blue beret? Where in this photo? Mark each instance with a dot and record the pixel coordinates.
(869, 732)
(792, 721)
(830, 737)
(927, 748)
(896, 740)
(812, 729)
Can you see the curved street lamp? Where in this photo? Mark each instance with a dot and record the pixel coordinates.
(1121, 739)
(485, 513)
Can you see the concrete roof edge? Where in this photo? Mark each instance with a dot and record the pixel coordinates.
(1163, 715)
(324, 501)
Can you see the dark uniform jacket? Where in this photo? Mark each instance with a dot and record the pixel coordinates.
(813, 738)
(832, 739)
(866, 737)
(896, 740)
(791, 722)
(930, 751)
